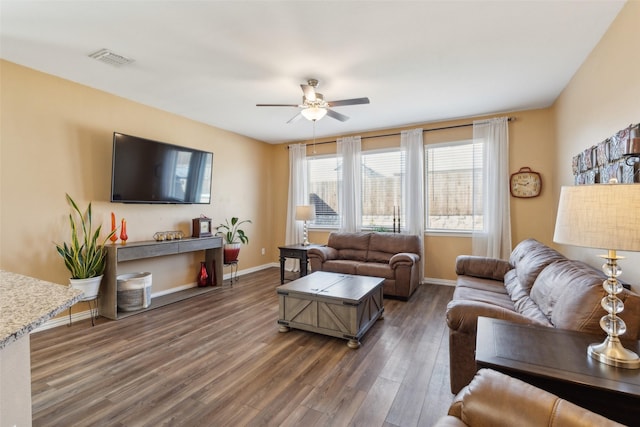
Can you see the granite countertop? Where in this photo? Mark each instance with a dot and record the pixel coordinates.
(26, 303)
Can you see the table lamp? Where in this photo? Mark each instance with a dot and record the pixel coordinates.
(604, 216)
(305, 213)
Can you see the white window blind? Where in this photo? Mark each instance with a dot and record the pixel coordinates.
(451, 170)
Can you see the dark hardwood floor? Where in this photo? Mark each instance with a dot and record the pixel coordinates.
(218, 359)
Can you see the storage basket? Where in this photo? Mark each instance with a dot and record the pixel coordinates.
(134, 291)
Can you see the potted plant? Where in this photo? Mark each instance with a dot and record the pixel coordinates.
(84, 257)
(233, 237)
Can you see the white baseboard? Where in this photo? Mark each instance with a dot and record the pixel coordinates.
(443, 282)
(64, 320)
(60, 321)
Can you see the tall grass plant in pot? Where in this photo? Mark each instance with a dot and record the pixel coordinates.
(233, 237)
(84, 256)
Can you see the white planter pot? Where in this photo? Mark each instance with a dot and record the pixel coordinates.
(90, 287)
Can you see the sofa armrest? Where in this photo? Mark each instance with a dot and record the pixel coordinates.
(323, 252)
(462, 315)
(403, 258)
(483, 267)
(493, 398)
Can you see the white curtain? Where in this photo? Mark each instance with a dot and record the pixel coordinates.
(350, 183)
(298, 195)
(412, 147)
(495, 240)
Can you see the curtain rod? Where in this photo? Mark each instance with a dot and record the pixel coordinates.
(510, 119)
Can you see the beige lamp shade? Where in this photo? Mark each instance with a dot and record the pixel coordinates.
(305, 212)
(605, 216)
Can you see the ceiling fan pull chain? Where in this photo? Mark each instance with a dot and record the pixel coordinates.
(314, 137)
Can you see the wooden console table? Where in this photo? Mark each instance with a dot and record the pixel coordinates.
(556, 360)
(117, 254)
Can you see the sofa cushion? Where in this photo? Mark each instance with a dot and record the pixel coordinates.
(529, 258)
(569, 292)
(350, 246)
(375, 269)
(340, 266)
(478, 294)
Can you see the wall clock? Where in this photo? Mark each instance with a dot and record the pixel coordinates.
(202, 227)
(525, 183)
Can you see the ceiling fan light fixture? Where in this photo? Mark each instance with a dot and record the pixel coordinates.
(314, 113)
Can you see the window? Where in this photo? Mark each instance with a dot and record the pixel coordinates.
(323, 190)
(454, 174)
(381, 189)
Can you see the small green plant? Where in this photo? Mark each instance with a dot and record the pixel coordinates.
(83, 256)
(231, 233)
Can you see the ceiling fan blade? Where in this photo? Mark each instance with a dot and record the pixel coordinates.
(309, 92)
(278, 105)
(354, 101)
(337, 115)
(294, 118)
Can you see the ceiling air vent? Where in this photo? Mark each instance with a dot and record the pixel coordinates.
(108, 57)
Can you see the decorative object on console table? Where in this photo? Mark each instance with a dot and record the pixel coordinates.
(305, 213)
(233, 237)
(604, 216)
(84, 257)
(114, 236)
(201, 227)
(123, 232)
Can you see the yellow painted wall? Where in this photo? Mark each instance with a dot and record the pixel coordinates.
(531, 138)
(56, 137)
(602, 98)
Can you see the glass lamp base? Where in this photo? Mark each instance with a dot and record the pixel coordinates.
(611, 352)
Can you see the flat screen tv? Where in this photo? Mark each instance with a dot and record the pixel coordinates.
(146, 171)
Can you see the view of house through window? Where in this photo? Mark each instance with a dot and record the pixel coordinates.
(451, 170)
(323, 190)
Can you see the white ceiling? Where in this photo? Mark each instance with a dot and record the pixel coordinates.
(212, 61)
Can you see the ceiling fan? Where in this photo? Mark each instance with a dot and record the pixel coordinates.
(314, 107)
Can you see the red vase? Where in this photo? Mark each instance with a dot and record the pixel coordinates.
(203, 275)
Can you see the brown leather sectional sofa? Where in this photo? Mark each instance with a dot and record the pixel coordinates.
(538, 285)
(395, 257)
(494, 399)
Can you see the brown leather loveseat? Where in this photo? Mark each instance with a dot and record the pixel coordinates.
(395, 257)
(496, 400)
(538, 285)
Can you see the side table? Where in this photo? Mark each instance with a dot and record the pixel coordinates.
(297, 251)
(556, 360)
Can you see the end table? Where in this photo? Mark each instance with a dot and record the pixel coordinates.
(556, 360)
(297, 251)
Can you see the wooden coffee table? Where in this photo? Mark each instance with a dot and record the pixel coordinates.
(338, 305)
